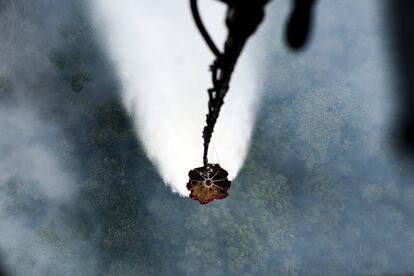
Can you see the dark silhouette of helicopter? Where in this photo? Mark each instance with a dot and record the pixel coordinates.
(243, 17)
(402, 34)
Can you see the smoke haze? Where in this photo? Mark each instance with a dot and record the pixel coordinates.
(39, 175)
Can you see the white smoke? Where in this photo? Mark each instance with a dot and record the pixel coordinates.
(162, 64)
(39, 189)
(35, 186)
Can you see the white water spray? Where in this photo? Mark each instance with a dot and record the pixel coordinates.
(162, 64)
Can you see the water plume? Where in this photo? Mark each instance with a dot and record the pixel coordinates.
(162, 65)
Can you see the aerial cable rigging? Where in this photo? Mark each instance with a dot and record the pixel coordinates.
(242, 19)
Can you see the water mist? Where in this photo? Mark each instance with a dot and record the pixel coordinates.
(162, 64)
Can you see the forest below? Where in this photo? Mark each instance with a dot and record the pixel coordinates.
(317, 194)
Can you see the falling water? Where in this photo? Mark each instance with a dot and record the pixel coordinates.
(162, 65)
